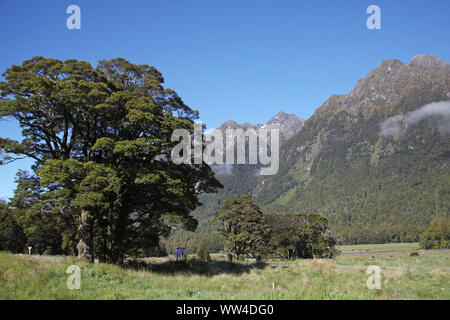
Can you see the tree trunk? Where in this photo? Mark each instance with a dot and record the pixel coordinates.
(84, 247)
(91, 241)
(104, 244)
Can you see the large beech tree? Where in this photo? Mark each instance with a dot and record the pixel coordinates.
(101, 141)
(243, 227)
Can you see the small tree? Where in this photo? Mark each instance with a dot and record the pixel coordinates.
(437, 235)
(203, 254)
(206, 256)
(243, 226)
(199, 253)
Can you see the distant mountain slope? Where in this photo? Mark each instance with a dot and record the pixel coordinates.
(242, 179)
(365, 160)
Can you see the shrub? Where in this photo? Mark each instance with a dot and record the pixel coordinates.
(12, 237)
(206, 256)
(200, 253)
(437, 235)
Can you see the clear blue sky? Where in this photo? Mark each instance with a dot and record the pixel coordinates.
(241, 60)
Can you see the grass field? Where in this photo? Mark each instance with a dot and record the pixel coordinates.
(25, 278)
(380, 247)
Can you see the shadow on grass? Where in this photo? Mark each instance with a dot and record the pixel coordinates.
(205, 268)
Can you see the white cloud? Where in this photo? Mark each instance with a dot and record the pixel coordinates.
(440, 110)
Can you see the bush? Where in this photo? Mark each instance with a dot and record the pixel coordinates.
(206, 256)
(437, 235)
(203, 254)
(200, 253)
(12, 237)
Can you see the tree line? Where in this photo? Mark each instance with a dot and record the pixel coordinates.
(248, 232)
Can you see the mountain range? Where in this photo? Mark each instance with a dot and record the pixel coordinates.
(374, 162)
(240, 179)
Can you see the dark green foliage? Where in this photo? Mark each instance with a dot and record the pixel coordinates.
(212, 241)
(199, 253)
(46, 231)
(203, 254)
(206, 256)
(12, 237)
(437, 234)
(101, 139)
(243, 226)
(301, 236)
(41, 232)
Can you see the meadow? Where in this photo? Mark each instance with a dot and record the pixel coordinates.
(380, 247)
(158, 278)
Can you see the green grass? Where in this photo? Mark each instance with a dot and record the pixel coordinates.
(285, 197)
(425, 259)
(24, 278)
(381, 247)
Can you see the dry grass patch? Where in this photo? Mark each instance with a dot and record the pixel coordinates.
(322, 263)
(439, 272)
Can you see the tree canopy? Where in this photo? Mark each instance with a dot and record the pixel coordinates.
(301, 236)
(101, 141)
(437, 234)
(243, 226)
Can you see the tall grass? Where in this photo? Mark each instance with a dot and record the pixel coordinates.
(380, 247)
(24, 278)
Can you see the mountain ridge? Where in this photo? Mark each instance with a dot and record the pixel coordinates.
(288, 123)
(339, 152)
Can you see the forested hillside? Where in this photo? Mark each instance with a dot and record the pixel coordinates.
(375, 162)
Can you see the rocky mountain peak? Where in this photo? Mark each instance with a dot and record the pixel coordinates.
(426, 61)
(391, 82)
(229, 124)
(282, 117)
(288, 123)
